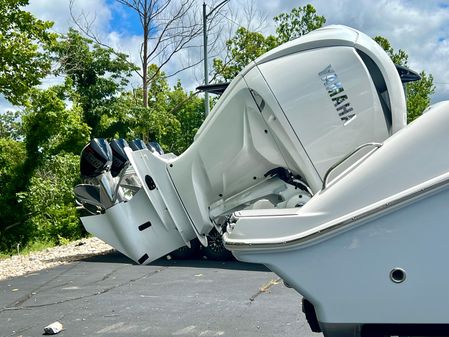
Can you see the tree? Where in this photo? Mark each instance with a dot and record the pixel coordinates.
(48, 200)
(156, 122)
(12, 160)
(23, 44)
(246, 46)
(300, 21)
(418, 96)
(418, 93)
(127, 111)
(188, 110)
(172, 117)
(11, 125)
(243, 48)
(50, 126)
(40, 167)
(168, 27)
(398, 57)
(97, 74)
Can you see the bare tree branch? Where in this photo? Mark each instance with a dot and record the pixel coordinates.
(85, 26)
(168, 27)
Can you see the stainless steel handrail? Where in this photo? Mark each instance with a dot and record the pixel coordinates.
(333, 167)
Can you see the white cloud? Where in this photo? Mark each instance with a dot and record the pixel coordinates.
(412, 25)
(421, 28)
(5, 105)
(95, 12)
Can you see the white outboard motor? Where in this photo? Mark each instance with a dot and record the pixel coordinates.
(281, 124)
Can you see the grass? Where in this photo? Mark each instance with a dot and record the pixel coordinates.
(3, 256)
(34, 246)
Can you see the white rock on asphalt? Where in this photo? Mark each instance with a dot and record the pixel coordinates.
(53, 328)
(19, 265)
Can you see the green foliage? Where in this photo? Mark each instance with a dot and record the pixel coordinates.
(300, 21)
(172, 117)
(11, 125)
(24, 61)
(188, 109)
(163, 127)
(419, 92)
(154, 122)
(23, 41)
(12, 159)
(246, 46)
(36, 179)
(121, 124)
(28, 248)
(243, 48)
(98, 75)
(418, 96)
(49, 199)
(34, 246)
(50, 126)
(38, 143)
(29, 180)
(398, 57)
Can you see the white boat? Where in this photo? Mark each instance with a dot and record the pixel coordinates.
(306, 159)
(368, 251)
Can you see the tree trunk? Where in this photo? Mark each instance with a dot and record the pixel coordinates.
(144, 56)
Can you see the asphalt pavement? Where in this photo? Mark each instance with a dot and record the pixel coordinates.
(111, 296)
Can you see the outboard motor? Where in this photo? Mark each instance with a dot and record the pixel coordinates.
(119, 157)
(155, 147)
(268, 143)
(96, 158)
(137, 144)
(95, 165)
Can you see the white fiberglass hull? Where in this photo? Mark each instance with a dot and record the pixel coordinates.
(372, 247)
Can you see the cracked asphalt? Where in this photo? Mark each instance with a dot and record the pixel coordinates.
(110, 296)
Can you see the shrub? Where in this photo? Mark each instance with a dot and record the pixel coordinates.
(49, 199)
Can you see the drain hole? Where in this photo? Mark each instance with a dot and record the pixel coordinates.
(397, 275)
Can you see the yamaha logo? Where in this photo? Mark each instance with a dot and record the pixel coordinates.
(337, 94)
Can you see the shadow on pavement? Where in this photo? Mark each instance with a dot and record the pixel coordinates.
(117, 257)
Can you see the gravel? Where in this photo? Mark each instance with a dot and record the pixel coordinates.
(19, 265)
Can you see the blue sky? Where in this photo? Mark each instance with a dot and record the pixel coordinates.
(421, 28)
(123, 19)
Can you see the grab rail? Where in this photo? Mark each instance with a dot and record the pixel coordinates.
(333, 167)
